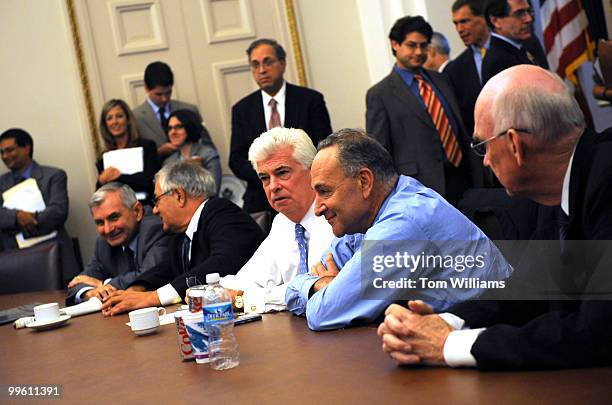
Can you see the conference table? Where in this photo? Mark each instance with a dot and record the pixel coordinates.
(99, 360)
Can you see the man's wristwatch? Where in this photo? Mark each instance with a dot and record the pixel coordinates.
(238, 302)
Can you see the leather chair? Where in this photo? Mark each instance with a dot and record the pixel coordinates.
(33, 269)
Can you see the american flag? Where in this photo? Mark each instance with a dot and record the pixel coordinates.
(566, 40)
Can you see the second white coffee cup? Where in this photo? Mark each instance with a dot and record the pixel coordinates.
(146, 320)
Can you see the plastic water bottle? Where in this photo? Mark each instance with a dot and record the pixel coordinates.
(219, 324)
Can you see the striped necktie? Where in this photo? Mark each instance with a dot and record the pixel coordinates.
(440, 120)
(300, 238)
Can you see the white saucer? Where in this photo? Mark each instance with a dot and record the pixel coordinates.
(43, 325)
(148, 331)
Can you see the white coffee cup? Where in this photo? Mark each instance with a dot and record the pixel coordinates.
(146, 320)
(47, 312)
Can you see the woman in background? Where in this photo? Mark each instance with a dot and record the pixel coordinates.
(184, 131)
(118, 130)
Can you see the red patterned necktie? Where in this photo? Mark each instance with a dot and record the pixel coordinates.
(441, 122)
(275, 116)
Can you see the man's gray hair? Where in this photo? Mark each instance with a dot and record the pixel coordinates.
(276, 138)
(191, 177)
(440, 43)
(357, 150)
(126, 194)
(546, 114)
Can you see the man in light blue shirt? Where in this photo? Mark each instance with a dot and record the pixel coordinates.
(396, 239)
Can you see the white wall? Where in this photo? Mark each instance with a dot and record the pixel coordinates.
(41, 93)
(334, 53)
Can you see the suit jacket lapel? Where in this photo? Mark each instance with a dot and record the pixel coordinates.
(291, 107)
(37, 174)
(198, 249)
(148, 117)
(258, 117)
(405, 96)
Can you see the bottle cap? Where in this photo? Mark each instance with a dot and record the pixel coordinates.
(212, 278)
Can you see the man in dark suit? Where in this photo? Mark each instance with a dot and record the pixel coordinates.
(464, 71)
(152, 115)
(512, 42)
(276, 104)
(17, 148)
(532, 133)
(212, 235)
(413, 113)
(130, 243)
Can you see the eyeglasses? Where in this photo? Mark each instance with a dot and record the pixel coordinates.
(155, 199)
(522, 13)
(177, 126)
(413, 46)
(266, 63)
(8, 150)
(480, 148)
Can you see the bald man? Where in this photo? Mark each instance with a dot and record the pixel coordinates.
(532, 134)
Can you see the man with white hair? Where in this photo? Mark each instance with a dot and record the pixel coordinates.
(532, 134)
(282, 158)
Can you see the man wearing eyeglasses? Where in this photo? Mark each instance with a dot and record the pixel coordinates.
(533, 135)
(512, 41)
(211, 235)
(276, 104)
(413, 113)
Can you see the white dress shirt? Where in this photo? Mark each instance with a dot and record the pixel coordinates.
(280, 104)
(265, 276)
(167, 294)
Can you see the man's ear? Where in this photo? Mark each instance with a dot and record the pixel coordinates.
(181, 196)
(395, 45)
(493, 21)
(516, 146)
(139, 210)
(365, 177)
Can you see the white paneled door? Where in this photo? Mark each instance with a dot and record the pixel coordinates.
(204, 41)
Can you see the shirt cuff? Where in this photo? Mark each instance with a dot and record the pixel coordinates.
(167, 295)
(254, 301)
(108, 280)
(458, 347)
(79, 294)
(453, 320)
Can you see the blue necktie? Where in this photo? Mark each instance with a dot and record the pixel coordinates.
(301, 241)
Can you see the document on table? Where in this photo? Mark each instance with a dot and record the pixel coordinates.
(128, 161)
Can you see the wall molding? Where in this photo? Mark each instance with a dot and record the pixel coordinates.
(78, 49)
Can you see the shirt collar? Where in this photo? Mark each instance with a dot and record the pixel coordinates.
(133, 244)
(309, 220)
(279, 97)
(487, 43)
(566, 183)
(25, 174)
(156, 108)
(407, 75)
(506, 39)
(195, 219)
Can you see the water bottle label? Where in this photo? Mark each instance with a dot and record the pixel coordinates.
(216, 313)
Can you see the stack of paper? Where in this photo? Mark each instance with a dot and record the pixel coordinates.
(26, 196)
